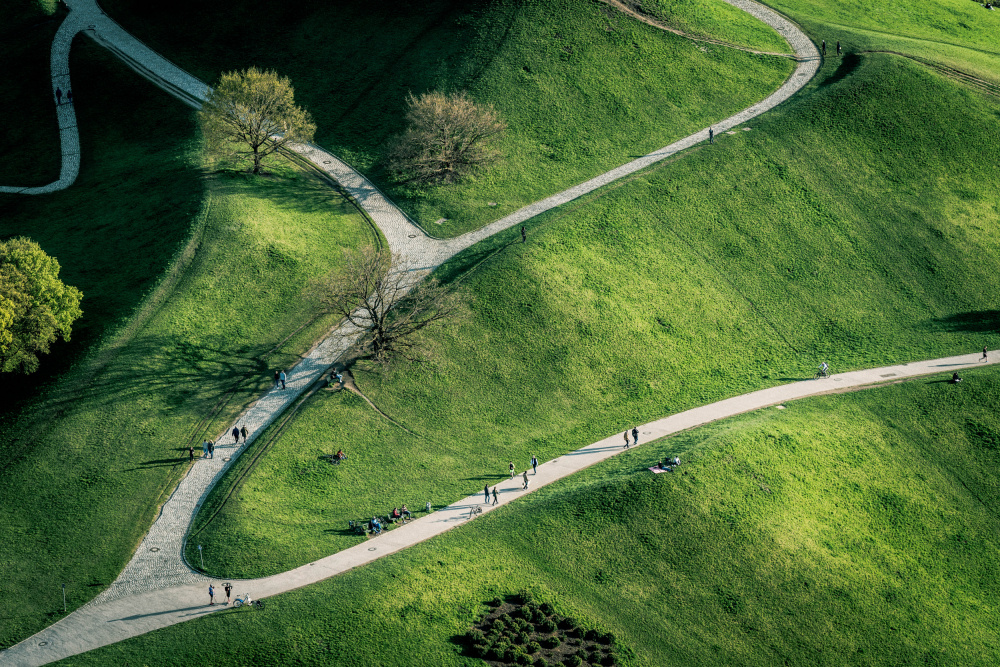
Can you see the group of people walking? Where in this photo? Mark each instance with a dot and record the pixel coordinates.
(208, 446)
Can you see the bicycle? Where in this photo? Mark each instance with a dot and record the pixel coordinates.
(821, 374)
(245, 600)
(474, 510)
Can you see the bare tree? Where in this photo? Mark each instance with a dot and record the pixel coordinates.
(447, 137)
(251, 114)
(376, 292)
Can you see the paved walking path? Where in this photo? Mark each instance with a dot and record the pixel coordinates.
(107, 621)
(157, 588)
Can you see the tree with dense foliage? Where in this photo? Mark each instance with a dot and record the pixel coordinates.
(251, 114)
(447, 137)
(36, 308)
(379, 294)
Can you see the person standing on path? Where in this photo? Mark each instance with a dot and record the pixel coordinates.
(635, 435)
(984, 354)
(69, 96)
(525, 478)
(626, 440)
(486, 493)
(277, 379)
(58, 95)
(524, 234)
(204, 448)
(211, 594)
(711, 135)
(838, 47)
(236, 435)
(211, 449)
(511, 469)
(534, 465)
(229, 591)
(244, 432)
(824, 47)
(281, 376)
(496, 498)
(190, 453)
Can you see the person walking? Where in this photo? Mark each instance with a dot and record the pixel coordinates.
(534, 465)
(496, 498)
(211, 449)
(229, 591)
(69, 96)
(211, 594)
(281, 376)
(486, 493)
(838, 47)
(635, 435)
(244, 432)
(190, 453)
(58, 95)
(524, 234)
(711, 135)
(823, 47)
(525, 478)
(236, 435)
(984, 354)
(277, 379)
(511, 468)
(626, 440)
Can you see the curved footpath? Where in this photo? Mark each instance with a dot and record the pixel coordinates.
(157, 588)
(105, 622)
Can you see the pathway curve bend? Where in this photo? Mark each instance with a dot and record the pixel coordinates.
(157, 588)
(107, 621)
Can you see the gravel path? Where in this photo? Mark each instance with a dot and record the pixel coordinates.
(157, 588)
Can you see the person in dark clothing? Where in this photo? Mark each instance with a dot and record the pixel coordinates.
(711, 135)
(236, 434)
(190, 453)
(838, 47)
(58, 95)
(496, 498)
(534, 465)
(626, 440)
(486, 493)
(524, 235)
(823, 47)
(954, 379)
(211, 449)
(229, 591)
(69, 96)
(635, 435)
(244, 432)
(277, 380)
(984, 354)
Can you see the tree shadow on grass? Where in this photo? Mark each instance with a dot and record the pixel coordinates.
(978, 321)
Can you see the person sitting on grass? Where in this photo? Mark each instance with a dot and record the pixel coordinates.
(375, 525)
(396, 514)
(339, 456)
(659, 464)
(405, 512)
(954, 379)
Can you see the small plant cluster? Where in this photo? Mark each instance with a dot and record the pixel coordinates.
(522, 631)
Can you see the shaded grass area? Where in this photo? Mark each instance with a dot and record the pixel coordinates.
(856, 528)
(192, 287)
(740, 266)
(582, 87)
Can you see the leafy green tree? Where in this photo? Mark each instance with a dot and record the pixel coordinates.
(251, 114)
(36, 308)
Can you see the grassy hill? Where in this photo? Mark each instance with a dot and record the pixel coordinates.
(742, 265)
(191, 288)
(583, 87)
(855, 528)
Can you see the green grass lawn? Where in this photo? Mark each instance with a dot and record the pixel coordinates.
(857, 528)
(583, 87)
(742, 265)
(189, 280)
(958, 33)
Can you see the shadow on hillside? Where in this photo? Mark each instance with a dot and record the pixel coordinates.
(980, 321)
(848, 63)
